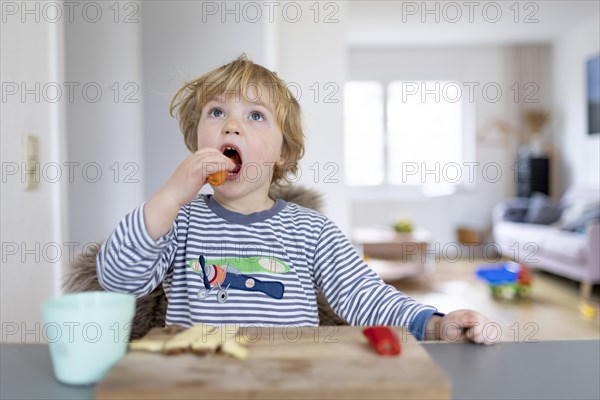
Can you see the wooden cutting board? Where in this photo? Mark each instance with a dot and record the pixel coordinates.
(291, 363)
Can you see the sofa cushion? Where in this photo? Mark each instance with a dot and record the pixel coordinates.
(542, 210)
(515, 214)
(576, 215)
(526, 242)
(578, 224)
(580, 194)
(567, 246)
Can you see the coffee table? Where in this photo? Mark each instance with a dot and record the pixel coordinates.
(391, 254)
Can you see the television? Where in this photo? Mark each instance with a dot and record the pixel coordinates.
(592, 75)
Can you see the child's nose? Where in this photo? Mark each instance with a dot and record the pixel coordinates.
(232, 126)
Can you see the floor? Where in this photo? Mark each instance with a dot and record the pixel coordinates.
(553, 312)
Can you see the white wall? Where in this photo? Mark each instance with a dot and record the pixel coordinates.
(32, 232)
(579, 152)
(481, 65)
(104, 136)
(313, 55)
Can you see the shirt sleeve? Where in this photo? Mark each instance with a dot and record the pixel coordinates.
(130, 261)
(357, 293)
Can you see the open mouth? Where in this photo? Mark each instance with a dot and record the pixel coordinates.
(234, 155)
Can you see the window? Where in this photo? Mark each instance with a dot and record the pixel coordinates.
(364, 133)
(410, 134)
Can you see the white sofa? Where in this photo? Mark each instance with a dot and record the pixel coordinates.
(572, 254)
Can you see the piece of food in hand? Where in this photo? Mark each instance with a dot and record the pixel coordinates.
(218, 178)
(383, 339)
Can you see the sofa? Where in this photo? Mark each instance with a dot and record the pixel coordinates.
(561, 237)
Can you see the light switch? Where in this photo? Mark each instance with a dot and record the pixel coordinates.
(32, 158)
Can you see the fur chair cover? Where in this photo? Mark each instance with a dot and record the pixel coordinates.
(151, 309)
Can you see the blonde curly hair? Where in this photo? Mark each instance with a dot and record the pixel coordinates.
(231, 79)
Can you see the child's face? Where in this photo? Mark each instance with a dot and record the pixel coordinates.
(247, 132)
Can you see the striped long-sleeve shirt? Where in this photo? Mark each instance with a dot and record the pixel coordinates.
(258, 269)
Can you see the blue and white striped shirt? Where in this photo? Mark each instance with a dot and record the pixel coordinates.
(259, 269)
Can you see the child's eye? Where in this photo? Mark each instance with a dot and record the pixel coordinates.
(257, 116)
(215, 112)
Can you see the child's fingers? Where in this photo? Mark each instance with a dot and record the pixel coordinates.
(212, 161)
(213, 155)
(475, 334)
(455, 326)
(211, 167)
(452, 331)
(491, 333)
(469, 325)
(482, 332)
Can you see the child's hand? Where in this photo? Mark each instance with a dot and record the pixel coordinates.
(463, 326)
(181, 188)
(191, 174)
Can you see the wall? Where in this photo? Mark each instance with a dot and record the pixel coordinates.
(579, 152)
(472, 207)
(32, 231)
(312, 59)
(104, 128)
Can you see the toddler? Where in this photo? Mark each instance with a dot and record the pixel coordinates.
(238, 256)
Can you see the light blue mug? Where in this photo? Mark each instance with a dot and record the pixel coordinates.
(87, 334)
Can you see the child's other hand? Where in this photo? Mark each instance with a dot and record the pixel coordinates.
(191, 174)
(464, 326)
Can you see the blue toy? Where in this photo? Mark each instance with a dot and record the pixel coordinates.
(507, 280)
